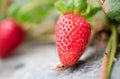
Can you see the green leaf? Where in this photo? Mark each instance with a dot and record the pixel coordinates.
(70, 6)
(60, 6)
(80, 6)
(30, 10)
(85, 13)
(112, 9)
(93, 11)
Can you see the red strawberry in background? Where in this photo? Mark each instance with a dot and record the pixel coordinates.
(11, 36)
(72, 36)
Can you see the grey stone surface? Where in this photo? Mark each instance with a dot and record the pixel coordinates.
(34, 60)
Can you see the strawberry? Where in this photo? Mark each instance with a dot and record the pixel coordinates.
(72, 35)
(72, 31)
(11, 36)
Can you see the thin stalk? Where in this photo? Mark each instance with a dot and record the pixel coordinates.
(109, 55)
(113, 50)
(105, 60)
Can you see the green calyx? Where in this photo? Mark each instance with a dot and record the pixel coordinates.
(80, 7)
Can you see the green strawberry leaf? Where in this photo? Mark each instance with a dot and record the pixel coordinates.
(30, 10)
(112, 9)
(93, 11)
(80, 5)
(70, 6)
(86, 12)
(60, 6)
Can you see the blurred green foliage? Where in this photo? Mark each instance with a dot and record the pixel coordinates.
(2, 8)
(29, 10)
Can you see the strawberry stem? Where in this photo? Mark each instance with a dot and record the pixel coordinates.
(113, 50)
(105, 60)
(109, 55)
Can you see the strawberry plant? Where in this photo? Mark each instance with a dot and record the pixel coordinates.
(112, 11)
(73, 32)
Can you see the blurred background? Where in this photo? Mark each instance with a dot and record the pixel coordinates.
(38, 17)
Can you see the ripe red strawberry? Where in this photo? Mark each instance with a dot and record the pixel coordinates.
(11, 36)
(72, 35)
